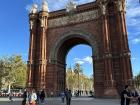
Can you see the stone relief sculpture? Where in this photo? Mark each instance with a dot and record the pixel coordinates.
(124, 5)
(31, 24)
(71, 6)
(81, 17)
(102, 5)
(119, 5)
(42, 22)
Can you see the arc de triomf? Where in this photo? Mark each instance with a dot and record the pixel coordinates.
(100, 24)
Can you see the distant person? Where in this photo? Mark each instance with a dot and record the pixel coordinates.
(38, 97)
(67, 96)
(42, 96)
(126, 96)
(62, 96)
(33, 98)
(134, 94)
(11, 96)
(25, 97)
(51, 94)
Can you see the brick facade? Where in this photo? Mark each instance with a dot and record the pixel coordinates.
(100, 25)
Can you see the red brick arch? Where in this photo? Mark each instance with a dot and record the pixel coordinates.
(99, 24)
(72, 38)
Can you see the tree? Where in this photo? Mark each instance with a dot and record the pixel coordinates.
(70, 79)
(137, 81)
(13, 70)
(75, 79)
(78, 70)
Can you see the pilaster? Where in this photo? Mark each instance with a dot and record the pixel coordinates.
(109, 82)
(42, 61)
(125, 52)
(31, 57)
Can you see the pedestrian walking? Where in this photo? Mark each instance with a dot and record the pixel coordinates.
(25, 100)
(11, 96)
(33, 98)
(69, 97)
(62, 96)
(42, 96)
(38, 97)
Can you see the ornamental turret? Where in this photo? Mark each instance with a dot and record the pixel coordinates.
(44, 6)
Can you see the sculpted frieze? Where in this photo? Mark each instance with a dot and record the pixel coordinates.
(72, 19)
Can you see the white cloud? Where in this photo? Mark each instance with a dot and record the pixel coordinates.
(136, 41)
(80, 62)
(84, 60)
(133, 12)
(133, 23)
(88, 59)
(133, 58)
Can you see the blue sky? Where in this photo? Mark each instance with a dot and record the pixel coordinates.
(14, 31)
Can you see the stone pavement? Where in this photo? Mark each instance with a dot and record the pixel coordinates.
(75, 101)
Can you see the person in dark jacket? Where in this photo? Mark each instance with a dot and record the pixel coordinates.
(42, 96)
(25, 100)
(126, 96)
(69, 97)
(134, 94)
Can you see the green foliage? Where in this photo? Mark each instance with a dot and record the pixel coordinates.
(13, 71)
(76, 80)
(70, 78)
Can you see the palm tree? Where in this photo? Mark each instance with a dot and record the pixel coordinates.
(78, 70)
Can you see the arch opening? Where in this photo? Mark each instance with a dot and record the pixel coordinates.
(61, 54)
(79, 70)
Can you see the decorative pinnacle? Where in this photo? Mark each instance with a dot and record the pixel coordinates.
(34, 8)
(45, 6)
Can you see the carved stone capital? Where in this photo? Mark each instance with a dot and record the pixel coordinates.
(102, 5)
(42, 22)
(121, 5)
(125, 54)
(43, 18)
(107, 55)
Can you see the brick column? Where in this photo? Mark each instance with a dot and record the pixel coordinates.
(109, 83)
(55, 77)
(31, 57)
(41, 63)
(125, 52)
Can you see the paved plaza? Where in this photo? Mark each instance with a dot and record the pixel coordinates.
(75, 101)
